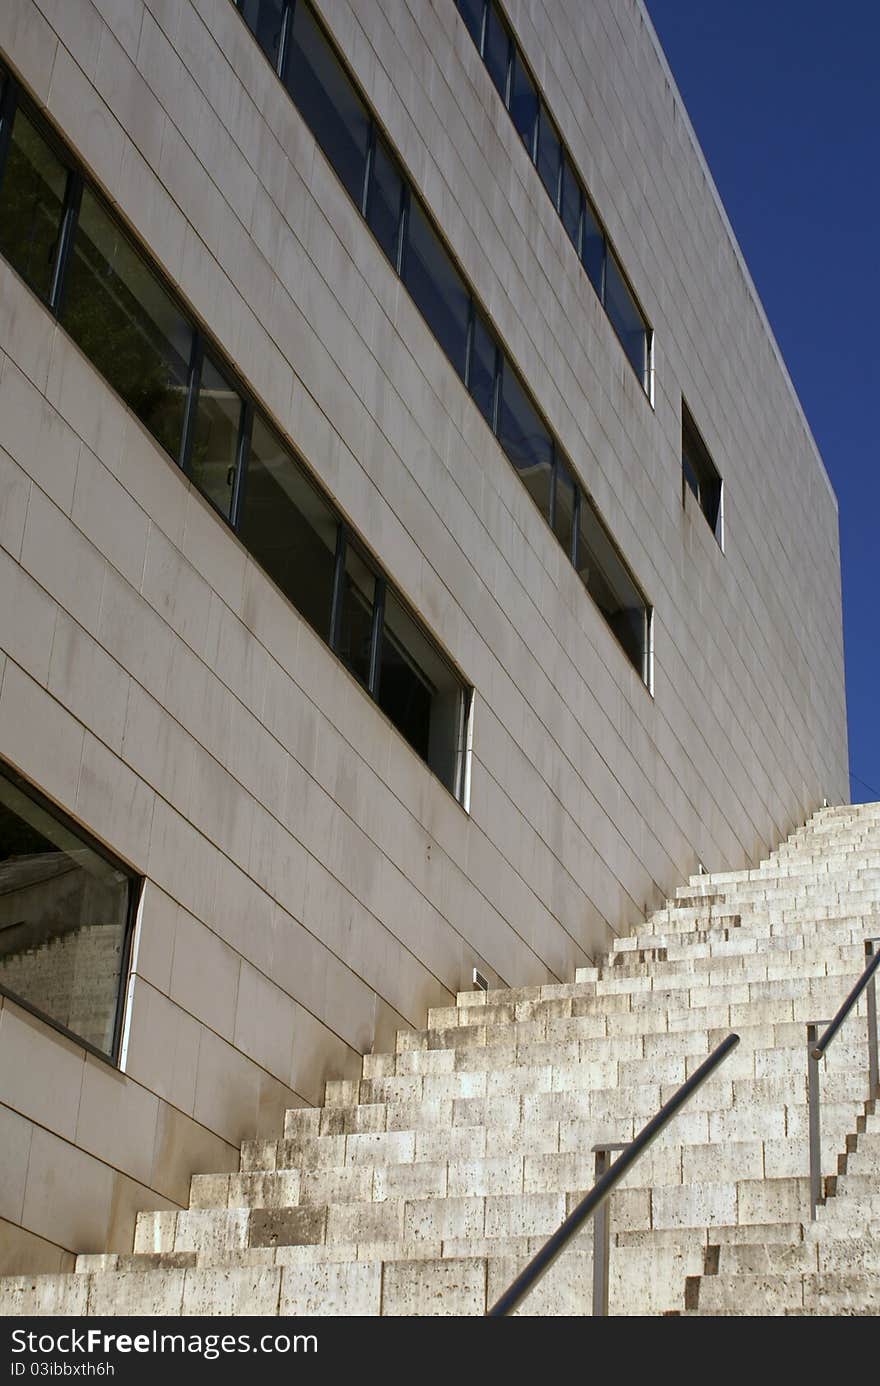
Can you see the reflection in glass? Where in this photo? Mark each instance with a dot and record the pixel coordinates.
(549, 155)
(31, 205)
(609, 584)
(564, 506)
(472, 14)
(593, 250)
(420, 693)
(64, 913)
(263, 18)
(626, 318)
(436, 286)
(571, 203)
(700, 472)
(482, 369)
(385, 200)
(523, 102)
(327, 101)
(214, 455)
(124, 320)
(525, 440)
(496, 49)
(288, 528)
(353, 637)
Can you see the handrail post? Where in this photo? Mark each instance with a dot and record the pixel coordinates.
(602, 1235)
(591, 1203)
(815, 1127)
(871, 994)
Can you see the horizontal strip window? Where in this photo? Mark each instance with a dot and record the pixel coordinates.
(334, 109)
(507, 67)
(59, 234)
(700, 475)
(67, 910)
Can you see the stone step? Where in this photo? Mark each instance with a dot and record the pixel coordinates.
(576, 1063)
(778, 1293)
(597, 1040)
(849, 1255)
(550, 1171)
(503, 1124)
(536, 1214)
(425, 1185)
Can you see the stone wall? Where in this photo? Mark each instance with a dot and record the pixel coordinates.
(310, 886)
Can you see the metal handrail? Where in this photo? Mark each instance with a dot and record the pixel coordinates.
(816, 1050)
(541, 1262)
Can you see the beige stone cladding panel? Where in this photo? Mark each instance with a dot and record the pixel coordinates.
(158, 687)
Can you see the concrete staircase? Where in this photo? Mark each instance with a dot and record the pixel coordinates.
(424, 1187)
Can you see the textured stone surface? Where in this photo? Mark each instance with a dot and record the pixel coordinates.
(312, 888)
(409, 1211)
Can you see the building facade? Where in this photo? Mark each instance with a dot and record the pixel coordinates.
(415, 557)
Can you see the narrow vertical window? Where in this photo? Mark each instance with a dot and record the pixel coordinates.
(483, 369)
(593, 250)
(354, 616)
(626, 318)
(385, 200)
(213, 460)
(496, 49)
(523, 103)
(289, 528)
(436, 286)
(327, 100)
(609, 583)
(264, 18)
(32, 205)
(699, 473)
(572, 198)
(525, 439)
(121, 315)
(472, 12)
(421, 693)
(549, 155)
(564, 502)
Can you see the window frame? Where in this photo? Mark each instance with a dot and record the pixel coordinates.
(202, 343)
(73, 184)
(694, 445)
(135, 891)
(516, 55)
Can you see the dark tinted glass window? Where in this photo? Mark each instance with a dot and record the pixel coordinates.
(610, 585)
(353, 637)
(549, 155)
(472, 14)
(64, 913)
(523, 102)
(31, 205)
(628, 322)
(699, 471)
(482, 369)
(564, 506)
(125, 321)
(420, 692)
(496, 49)
(436, 286)
(329, 104)
(571, 203)
(263, 18)
(525, 439)
(385, 200)
(593, 250)
(288, 528)
(216, 432)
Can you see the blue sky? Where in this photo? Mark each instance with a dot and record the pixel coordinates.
(784, 97)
